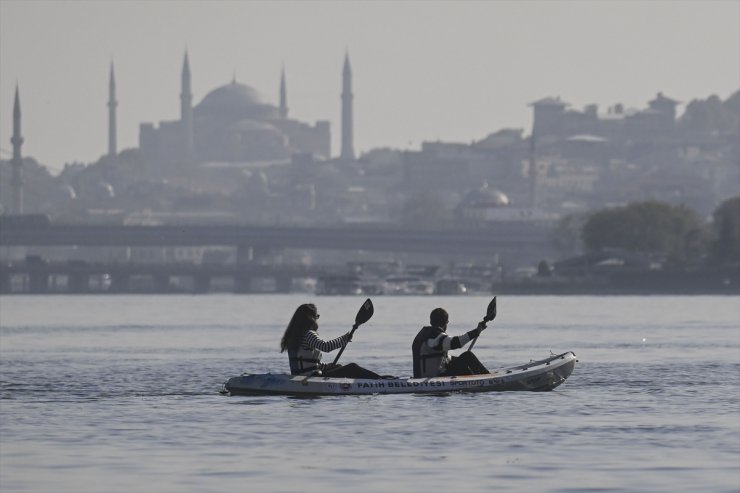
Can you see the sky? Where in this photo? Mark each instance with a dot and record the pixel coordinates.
(451, 71)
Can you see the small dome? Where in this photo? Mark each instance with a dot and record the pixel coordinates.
(485, 197)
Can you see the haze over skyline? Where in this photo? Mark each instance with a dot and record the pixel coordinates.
(454, 71)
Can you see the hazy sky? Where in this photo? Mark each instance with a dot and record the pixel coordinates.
(454, 71)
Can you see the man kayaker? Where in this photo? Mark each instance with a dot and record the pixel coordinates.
(432, 343)
(304, 347)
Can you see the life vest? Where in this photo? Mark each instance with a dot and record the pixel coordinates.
(430, 347)
(428, 361)
(306, 358)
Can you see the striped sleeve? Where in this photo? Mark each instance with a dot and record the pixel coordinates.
(312, 341)
(445, 343)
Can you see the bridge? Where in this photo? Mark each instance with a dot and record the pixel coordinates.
(509, 241)
(37, 275)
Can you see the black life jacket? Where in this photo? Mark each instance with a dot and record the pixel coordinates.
(428, 361)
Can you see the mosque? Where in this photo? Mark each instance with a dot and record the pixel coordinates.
(231, 124)
(234, 124)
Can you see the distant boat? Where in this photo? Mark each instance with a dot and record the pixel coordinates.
(406, 285)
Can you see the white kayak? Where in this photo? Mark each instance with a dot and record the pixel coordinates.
(542, 375)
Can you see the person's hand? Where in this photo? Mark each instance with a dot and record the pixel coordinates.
(476, 331)
(348, 336)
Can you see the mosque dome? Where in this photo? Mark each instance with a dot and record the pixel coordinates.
(234, 94)
(485, 197)
(233, 101)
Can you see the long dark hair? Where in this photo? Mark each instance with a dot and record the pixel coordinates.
(303, 319)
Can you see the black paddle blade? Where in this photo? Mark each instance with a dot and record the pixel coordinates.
(366, 311)
(490, 311)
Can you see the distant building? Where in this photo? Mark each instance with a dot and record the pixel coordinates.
(450, 169)
(554, 120)
(440, 167)
(487, 205)
(233, 124)
(482, 204)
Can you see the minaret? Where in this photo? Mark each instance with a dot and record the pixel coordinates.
(112, 103)
(533, 170)
(347, 151)
(283, 96)
(186, 107)
(16, 181)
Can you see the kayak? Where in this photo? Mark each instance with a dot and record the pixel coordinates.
(542, 375)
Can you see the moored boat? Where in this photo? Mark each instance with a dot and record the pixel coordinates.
(542, 375)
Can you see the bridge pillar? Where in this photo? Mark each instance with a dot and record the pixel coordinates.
(242, 283)
(202, 283)
(162, 283)
(283, 284)
(5, 282)
(78, 283)
(54, 281)
(119, 283)
(247, 254)
(39, 281)
(244, 254)
(38, 274)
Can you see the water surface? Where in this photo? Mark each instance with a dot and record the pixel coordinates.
(120, 394)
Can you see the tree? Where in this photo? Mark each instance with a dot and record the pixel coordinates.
(675, 232)
(713, 115)
(566, 235)
(725, 247)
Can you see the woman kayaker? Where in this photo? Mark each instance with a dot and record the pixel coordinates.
(304, 347)
(431, 344)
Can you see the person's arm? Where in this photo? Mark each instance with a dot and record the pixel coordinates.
(444, 342)
(313, 341)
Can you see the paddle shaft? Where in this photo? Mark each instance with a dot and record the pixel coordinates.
(476, 339)
(344, 346)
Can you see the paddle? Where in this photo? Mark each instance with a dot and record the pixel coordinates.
(363, 315)
(490, 315)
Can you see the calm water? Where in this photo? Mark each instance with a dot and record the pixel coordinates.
(120, 394)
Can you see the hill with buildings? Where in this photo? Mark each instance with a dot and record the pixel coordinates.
(234, 158)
